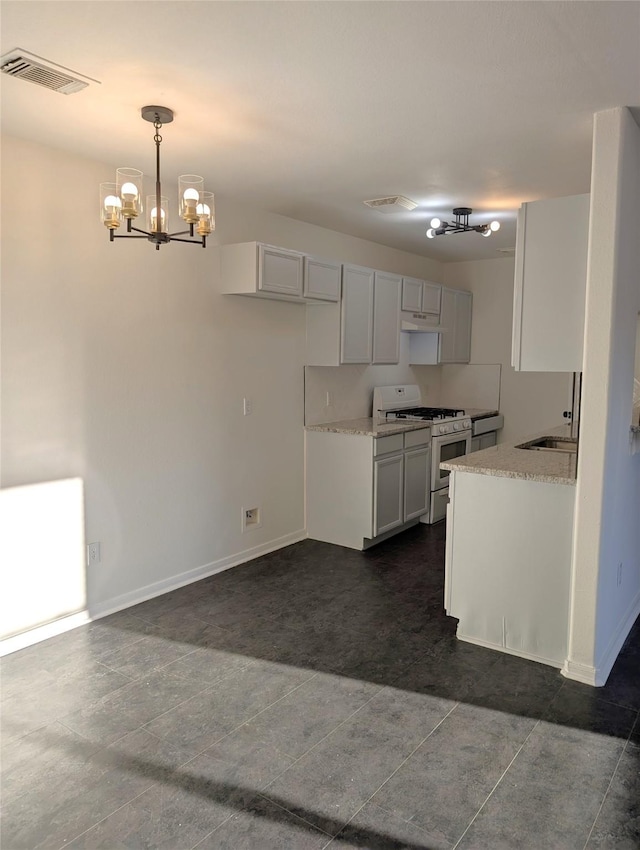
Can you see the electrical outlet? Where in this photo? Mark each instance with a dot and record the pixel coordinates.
(93, 554)
(247, 407)
(251, 518)
(329, 399)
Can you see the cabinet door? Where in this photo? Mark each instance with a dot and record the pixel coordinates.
(417, 468)
(462, 330)
(356, 322)
(322, 279)
(475, 444)
(431, 295)
(279, 271)
(446, 347)
(550, 285)
(387, 494)
(386, 318)
(412, 294)
(488, 440)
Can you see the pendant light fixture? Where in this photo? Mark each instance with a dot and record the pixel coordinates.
(122, 200)
(460, 225)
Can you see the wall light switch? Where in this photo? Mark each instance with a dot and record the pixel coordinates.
(247, 407)
(329, 399)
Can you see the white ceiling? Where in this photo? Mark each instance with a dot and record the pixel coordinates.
(309, 108)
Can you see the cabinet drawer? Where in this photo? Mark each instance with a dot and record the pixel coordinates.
(412, 439)
(386, 445)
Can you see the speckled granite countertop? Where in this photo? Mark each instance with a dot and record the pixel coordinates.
(367, 427)
(372, 428)
(506, 461)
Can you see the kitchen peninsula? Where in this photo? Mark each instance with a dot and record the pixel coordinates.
(508, 551)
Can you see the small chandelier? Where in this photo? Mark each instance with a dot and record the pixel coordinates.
(460, 225)
(123, 199)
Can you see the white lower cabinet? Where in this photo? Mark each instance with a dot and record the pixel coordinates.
(508, 564)
(417, 467)
(388, 496)
(360, 488)
(484, 441)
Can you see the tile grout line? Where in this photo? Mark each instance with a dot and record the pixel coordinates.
(324, 738)
(391, 775)
(615, 770)
(184, 764)
(501, 777)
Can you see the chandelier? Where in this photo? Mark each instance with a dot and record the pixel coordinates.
(460, 225)
(122, 200)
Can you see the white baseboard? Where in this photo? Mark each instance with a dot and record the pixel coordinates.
(126, 600)
(500, 648)
(40, 633)
(597, 676)
(142, 594)
(580, 673)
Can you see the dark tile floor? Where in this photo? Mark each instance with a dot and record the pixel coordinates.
(316, 697)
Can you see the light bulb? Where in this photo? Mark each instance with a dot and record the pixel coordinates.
(129, 191)
(435, 223)
(495, 225)
(112, 203)
(154, 219)
(487, 232)
(203, 209)
(191, 195)
(430, 233)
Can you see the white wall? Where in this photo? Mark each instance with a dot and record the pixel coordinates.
(530, 401)
(607, 531)
(123, 366)
(351, 387)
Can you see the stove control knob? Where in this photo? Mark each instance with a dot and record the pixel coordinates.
(457, 426)
(445, 429)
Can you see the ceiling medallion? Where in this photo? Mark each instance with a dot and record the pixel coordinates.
(460, 225)
(123, 199)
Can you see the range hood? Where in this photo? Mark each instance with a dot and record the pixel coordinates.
(420, 322)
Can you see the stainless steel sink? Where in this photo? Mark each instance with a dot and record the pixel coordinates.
(551, 444)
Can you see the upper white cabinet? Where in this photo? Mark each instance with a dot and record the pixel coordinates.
(550, 285)
(420, 296)
(356, 337)
(322, 279)
(252, 268)
(455, 317)
(363, 328)
(386, 318)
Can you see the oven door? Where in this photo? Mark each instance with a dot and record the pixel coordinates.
(443, 448)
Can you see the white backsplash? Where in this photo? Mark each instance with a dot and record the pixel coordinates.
(471, 385)
(350, 388)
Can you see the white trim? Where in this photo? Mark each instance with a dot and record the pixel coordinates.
(518, 653)
(40, 633)
(142, 594)
(597, 676)
(610, 654)
(126, 600)
(584, 673)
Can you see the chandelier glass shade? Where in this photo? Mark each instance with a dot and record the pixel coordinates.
(460, 225)
(121, 202)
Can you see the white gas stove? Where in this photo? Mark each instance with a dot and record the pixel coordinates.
(450, 434)
(404, 402)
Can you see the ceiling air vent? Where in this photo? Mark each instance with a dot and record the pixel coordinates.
(394, 204)
(37, 70)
